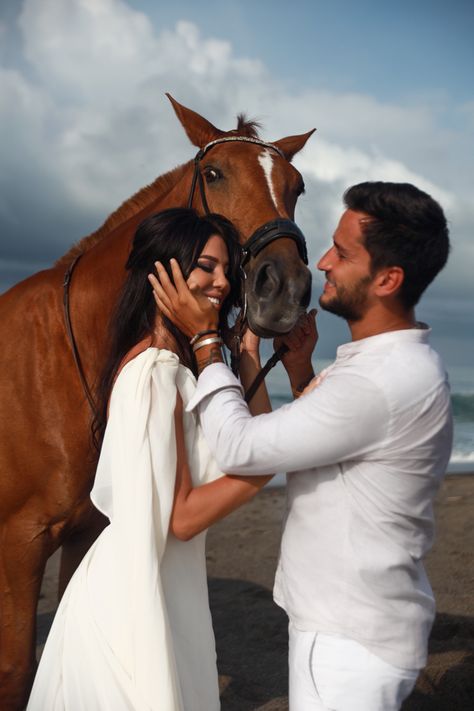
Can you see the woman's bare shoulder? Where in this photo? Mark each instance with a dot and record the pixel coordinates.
(138, 348)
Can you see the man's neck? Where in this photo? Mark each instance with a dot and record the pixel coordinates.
(372, 324)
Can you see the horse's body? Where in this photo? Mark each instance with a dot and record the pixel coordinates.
(46, 461)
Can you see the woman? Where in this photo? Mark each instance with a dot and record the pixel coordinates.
(133, 631)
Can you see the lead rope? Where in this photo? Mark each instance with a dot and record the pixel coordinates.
(235, 357)
(262, 374)
(271, 362)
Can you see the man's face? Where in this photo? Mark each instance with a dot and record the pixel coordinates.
(347, 268)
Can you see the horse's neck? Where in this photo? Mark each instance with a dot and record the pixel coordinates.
(168, 190)
(118, 240)
(100, 272)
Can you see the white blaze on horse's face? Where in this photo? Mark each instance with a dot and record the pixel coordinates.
(266, 161)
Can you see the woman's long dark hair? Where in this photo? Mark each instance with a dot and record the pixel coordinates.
(180, 233)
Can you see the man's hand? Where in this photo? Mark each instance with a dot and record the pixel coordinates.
(301, 342)
(250, 343)
(183, 304)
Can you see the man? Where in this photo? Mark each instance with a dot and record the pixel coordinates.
(365, 446)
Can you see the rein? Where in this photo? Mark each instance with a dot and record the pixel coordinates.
(70, 333)
(261, 237)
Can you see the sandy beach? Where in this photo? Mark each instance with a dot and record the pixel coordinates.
(251, 631)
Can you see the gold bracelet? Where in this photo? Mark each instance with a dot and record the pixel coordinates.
(299, 389)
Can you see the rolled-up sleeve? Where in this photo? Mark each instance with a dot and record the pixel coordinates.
(345, 417)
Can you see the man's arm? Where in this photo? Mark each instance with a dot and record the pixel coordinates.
(343, 418)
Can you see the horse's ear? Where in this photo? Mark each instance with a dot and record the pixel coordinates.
(292, 144)
(198, 129)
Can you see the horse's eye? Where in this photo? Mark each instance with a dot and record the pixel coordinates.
(212, 174)
(300, 189)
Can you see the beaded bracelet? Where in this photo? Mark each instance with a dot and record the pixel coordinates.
(207, 342)
(200, 334)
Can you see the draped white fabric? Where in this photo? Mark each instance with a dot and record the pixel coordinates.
(133, 631)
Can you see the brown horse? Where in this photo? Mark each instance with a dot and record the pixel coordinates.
(46, 462)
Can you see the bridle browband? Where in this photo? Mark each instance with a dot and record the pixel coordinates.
(263, 236)
(197, 175)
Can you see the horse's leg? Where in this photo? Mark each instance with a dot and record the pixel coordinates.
(23, 554)
(77, 543)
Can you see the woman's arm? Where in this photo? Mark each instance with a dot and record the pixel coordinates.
(197, 508)
(250, 366)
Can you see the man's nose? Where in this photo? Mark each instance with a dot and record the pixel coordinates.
(324, 263)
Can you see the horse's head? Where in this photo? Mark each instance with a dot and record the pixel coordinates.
(254, 184)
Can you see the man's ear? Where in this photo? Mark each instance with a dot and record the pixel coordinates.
(388, 281)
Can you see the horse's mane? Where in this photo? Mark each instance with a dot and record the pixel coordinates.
(144, 196)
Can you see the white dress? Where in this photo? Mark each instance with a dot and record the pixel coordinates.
(133, 631)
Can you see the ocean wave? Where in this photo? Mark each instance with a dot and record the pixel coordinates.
(462, 457)
(463, 407)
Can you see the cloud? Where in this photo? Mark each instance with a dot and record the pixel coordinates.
(87, 125)
(86, 49)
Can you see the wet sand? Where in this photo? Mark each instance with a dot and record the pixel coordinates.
(251, 631)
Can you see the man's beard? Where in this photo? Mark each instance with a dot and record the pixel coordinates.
(349, 304)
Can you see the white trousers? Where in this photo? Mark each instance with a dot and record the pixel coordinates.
(329, 673)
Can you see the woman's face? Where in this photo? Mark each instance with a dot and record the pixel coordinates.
(210, 272)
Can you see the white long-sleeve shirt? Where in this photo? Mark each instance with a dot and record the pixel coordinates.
(365, 451)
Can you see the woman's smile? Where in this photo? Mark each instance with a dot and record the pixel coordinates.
(210, 272)
(215, 300)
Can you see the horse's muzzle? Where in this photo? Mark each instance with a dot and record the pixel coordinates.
(278, 294)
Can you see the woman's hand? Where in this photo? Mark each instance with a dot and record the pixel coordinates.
(183, 304)
(250, 343)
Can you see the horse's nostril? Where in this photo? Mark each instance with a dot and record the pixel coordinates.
(306, 296)
(267, 282)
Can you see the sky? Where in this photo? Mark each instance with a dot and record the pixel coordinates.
(84, 122)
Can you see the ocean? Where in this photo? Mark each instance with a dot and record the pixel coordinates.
(462, 396)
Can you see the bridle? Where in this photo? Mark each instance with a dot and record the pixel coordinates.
(261, 237)
(258, 240)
